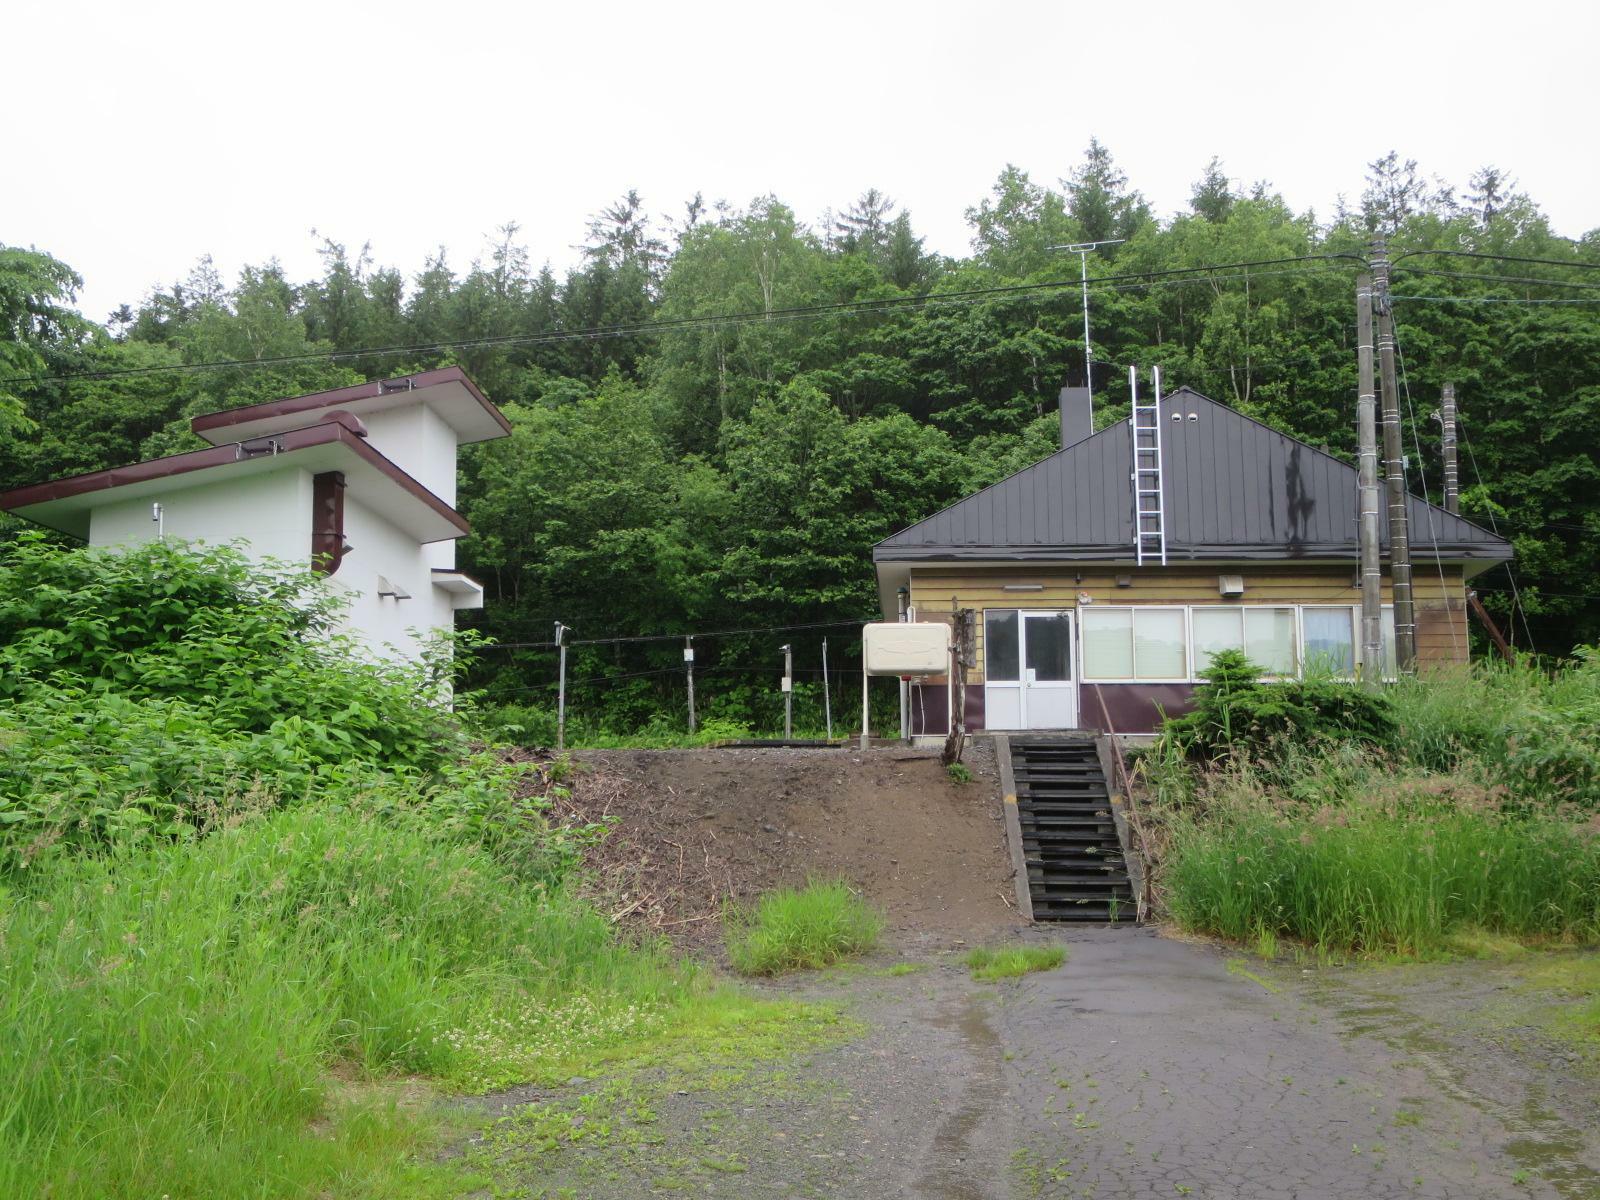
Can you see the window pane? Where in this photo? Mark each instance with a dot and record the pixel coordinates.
(1000, 646)
(1330, 643)
(1215, 629)
(1386, 624)
(1269, 639)
(1107, 643)
(1158, 643)
(1049, 647)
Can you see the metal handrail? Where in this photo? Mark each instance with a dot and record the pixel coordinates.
(1146, 894)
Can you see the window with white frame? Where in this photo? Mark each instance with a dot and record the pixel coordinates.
(1266, 635)
(1173, 643)
(1148, 643)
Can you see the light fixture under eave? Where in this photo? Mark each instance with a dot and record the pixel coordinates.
(1022, 587)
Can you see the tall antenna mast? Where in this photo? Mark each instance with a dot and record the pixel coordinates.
(1082, 250)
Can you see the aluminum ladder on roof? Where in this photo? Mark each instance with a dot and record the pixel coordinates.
(1149, 512)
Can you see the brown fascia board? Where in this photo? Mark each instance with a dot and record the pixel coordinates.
(357, 391)
(337, 430)
(1177, 555)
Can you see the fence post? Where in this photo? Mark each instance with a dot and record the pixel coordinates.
(827, 701)
(561, 688)
(788, 692)
(688, 668)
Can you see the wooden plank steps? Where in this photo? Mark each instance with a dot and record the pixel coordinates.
(1070, 849)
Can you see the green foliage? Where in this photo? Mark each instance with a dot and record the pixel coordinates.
(796, 929)
(959, 773)
(1398, 876)
(160, 691)
(1471, 816)
(1235, 712)
(717, 473)
(171, 1014)
(989, 964)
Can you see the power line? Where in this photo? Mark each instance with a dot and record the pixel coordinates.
(1422, 478)
(1488, 300)
(1545, 262)
(1523, 279)
(604, 332)
(1511, 575)
(672, 637)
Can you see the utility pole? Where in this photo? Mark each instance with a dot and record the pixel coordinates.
(1082, 250)
(1367, 489)
(1405, 613)
(1447, 418)
(788, 692)
(688, 670)
(561, 688)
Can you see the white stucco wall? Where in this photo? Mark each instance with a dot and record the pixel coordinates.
(380, 549)
(270, 515)
(418, 441)
(271, 508)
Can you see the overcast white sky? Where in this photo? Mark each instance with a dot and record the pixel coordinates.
(141, 136)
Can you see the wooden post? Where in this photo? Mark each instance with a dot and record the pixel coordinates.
(1495, 635)
(561, 688)
(1367, 489)
(1447, 418)
(688, 670)
(1405, 613)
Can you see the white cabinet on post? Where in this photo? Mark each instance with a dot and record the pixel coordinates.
(902, 648)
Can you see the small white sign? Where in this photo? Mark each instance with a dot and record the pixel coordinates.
(784, 683)
(688, 654)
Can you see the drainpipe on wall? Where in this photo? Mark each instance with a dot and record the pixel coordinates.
(903, 598)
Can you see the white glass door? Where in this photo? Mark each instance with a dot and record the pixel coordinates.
(1029, 681)
(1049, 691)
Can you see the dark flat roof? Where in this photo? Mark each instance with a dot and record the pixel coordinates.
(1233, 489)
(210, 425)
(339, 432)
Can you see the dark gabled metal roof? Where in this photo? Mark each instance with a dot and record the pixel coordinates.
(1232, 489)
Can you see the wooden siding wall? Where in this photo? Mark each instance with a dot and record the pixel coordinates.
(1441, 604)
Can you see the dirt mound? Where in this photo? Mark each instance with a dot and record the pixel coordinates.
(698, 827)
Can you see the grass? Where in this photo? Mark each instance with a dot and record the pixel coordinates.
(1384, 880)
(172, 1021)
(991, 963)
(1465, 832)
(801, 928)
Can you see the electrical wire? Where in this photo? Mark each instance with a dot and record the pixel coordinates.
(1511, 575)
(1487, 300)
(1523, 279)
(603, 332)
(1422, 478)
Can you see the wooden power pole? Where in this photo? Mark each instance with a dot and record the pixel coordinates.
(1405, 612)
(1367, 490)
(1447, 419)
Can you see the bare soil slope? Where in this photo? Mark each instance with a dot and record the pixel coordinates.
(698, 827)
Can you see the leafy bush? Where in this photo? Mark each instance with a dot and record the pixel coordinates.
(1234, 711)
(800, 928)
(248, 647)
(991, 963)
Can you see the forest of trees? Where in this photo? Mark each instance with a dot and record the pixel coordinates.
(717, 413)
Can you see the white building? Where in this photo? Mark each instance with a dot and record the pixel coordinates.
(358, 483)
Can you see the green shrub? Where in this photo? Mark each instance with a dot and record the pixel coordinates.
(800, 928)
(1235, 712)
(247, 646)
(991, 963)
